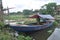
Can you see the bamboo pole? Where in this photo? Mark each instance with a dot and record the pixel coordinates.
(1, 16)
(1, 11)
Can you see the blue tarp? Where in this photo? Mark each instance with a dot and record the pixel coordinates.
(46, 16)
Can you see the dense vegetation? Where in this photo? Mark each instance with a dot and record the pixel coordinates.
(7, 36)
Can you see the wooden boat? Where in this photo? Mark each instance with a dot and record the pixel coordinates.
(31, 27)
(28, 28)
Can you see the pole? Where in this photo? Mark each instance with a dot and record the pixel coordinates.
(1, 11)
(8, 15)
(1, 15)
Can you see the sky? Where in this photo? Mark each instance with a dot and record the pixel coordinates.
(19, 5)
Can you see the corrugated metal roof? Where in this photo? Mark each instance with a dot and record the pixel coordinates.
(47, 16)
(42, 16)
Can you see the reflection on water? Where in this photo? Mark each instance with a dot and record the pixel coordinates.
(55, 35)
(42, 34)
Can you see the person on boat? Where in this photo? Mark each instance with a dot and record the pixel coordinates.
(38, 20)
(41, 20)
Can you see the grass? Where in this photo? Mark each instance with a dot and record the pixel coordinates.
(20, 18)
(14, 17)
(57, 17)
(6, 35)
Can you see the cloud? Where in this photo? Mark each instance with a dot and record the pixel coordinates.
(57, 1)
(26, 4)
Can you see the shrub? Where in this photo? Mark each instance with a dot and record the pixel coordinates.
(28, 38)
(55, 23)
(1, 24)
(5, 36)
(21, 37)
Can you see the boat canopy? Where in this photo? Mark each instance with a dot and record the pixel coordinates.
(34, 16)
(42, 16)
(47, 16)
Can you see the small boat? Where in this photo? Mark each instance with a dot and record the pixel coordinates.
(28, 28)
(31, 27)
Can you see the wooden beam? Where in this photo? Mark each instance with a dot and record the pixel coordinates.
(1, 11)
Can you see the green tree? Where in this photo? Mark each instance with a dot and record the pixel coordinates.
(48, 8)
(27, 12)
(43, 11)
(19, 12)
(16, 13)
(36, 11)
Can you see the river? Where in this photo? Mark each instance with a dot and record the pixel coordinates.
(55, 35)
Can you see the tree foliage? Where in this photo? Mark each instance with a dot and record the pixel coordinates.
(27, 12)
(21, 37)
(48, 8)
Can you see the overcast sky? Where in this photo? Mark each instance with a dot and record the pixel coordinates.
(20, 5)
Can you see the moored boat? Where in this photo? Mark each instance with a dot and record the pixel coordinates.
(28, 28)
(41, 24)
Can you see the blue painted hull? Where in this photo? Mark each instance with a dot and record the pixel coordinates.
(31, 27)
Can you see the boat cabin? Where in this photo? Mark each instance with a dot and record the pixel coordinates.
(42, 18)
(36, 19)
(40, 23)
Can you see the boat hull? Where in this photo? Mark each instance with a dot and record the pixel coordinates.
(31, 27)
